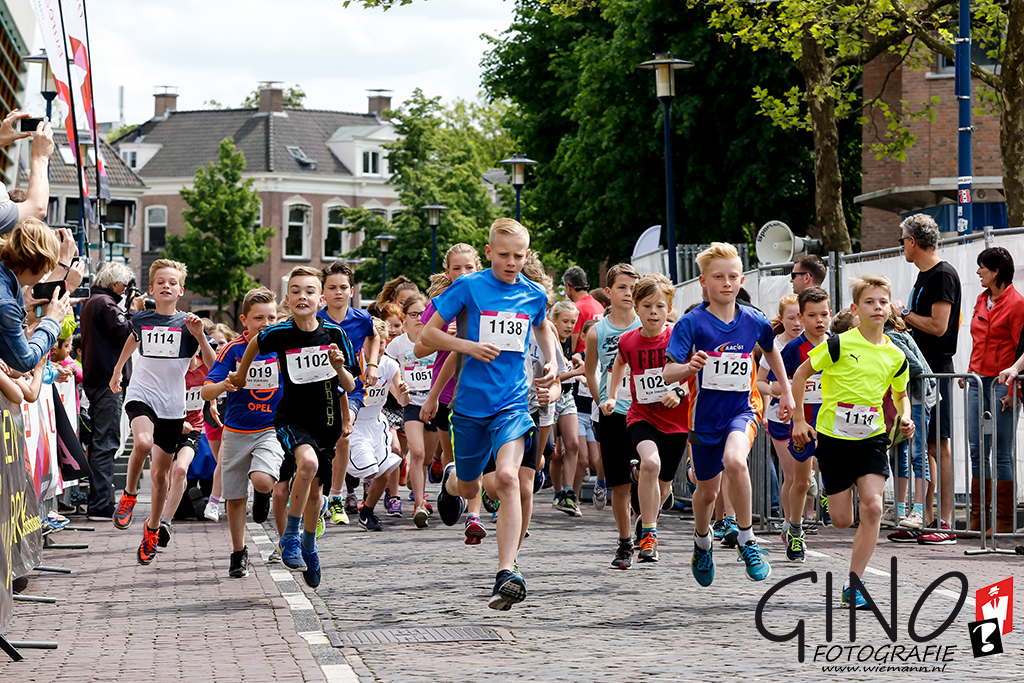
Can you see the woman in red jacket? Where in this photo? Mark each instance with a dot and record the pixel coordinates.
(996, 332)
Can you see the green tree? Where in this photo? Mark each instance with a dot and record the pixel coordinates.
(220, 243)
(293, 97)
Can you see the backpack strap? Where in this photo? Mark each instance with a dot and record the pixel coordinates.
(833, 348)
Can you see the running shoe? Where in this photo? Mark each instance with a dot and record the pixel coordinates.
(489, 503)
(889, 516)
(123, 513)
(731, 533)
(691, 486)
(430, 508)
(702, 564)
(451, 507)
(435, 471)
(638, 531)
(165, 533)
(321, 521)
(393, 506)
(275, 556)
(509, 589)
(570, 498)
(403, 474)
(913, 521)
(648, 549)
(558, 500)
(600, 497)
(212, 511)
(670, 501)
(795, 547)
(195, 496)
(239, 568)
(566, 502)
(312, 574)
(351, 504)
(147, 550)
(586, 474)
(634, 471)
(336, 506)
(475, 531)
(260, 506)
(291, 553)
(812, 490)
(623, 555)
(905, 535)
(419, 517)
(538, 481)
(826, 519)
(718, 529)
(811, 528)
(750, 554)
(858, 599)
(369, 521)
(941, 536)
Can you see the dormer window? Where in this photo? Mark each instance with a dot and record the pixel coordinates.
(371, 163)
(301, 157)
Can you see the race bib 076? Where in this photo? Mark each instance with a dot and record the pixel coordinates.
(504, 329)
(160, 341)
(727, 371)
(309, 364)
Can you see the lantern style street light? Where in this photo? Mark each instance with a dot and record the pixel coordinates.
(384, 240)
(518, 162)
(434, 218)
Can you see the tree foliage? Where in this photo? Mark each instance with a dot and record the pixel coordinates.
(220, 242)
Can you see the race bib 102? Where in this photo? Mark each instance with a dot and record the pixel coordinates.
(856, 422)
(309, 364)
(650, 386)
(504, 329)
(160, 341)
(727, 371)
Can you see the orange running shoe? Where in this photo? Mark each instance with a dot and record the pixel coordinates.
(123, 513)
(648, 549)
(147, 551)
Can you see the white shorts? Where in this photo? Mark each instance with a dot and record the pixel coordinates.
(586, 426)
(370, 451)
(243, 453)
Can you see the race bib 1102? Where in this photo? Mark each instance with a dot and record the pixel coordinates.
(309, 364)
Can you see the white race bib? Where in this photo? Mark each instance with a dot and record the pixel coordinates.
(375, 396)
(193, 399)
(418, 377)
(727, 371)
(812, 391)
(583, 389)
(161, 342)
(504, 329)
(309, 364)
(263, 375)
(623, 394)
(772, 411)
(650, 386)
(856, 422)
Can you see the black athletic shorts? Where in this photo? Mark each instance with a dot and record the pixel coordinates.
(166, 433)
(443, 419)
(671, 447)
(321, 440)
(411, 413)
(843, 461)
(617, 449)
(190, 440)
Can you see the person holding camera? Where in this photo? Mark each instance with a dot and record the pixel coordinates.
(105, 327)
(38, 195)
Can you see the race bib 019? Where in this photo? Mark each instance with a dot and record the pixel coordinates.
(263, 375)
(650, 386)
(193, 399)
(161, 342)
(309, 364)
(418, 377)
(727, 371)
(504, 329)
(856, 422)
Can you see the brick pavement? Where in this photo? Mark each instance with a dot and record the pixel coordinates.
(180, 618)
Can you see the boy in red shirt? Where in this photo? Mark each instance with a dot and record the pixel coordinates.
(657, 417)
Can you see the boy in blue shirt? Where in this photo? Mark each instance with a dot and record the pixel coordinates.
(250, 449)
(495, 309)
(716, 342)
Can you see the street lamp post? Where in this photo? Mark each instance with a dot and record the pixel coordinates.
(518, 162)
(384, 239)
(664, 66)
(48, 85)
(434, 218)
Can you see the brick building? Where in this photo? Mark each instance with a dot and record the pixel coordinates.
(927, 180)
(307, 164)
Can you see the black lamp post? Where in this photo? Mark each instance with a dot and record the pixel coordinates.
(384, 239)
(518, 162)
(434, 218)
(664, 66)
(48, 85)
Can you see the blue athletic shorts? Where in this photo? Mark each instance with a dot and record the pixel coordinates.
(476, 440)
(707, 451)
(780, 431)
(802, 453)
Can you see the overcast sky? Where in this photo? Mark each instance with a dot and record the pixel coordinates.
(221, 49)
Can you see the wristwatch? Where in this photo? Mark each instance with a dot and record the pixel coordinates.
(905, 312)
(679, 392)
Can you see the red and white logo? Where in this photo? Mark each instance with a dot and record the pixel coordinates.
(996, 602)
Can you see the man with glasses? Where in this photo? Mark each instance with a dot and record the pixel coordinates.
(933, 313)
(808, 271)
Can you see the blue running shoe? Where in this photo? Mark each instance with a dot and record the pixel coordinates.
(859, 601)
(291, 553)
(312, 574)
(758, 568)
(691, 487)
(826, 518)
(702, 565)
(509, 589)
(718, 529)
(449, 507)
(731, 533)
(794, 547)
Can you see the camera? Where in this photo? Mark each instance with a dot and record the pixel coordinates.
(30, 125)
(131, 291)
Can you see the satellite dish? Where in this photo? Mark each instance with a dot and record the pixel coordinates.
(776, 243)
(649, 242)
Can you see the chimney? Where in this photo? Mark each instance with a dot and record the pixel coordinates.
(271, 97)
(379, 103)
(165, 100)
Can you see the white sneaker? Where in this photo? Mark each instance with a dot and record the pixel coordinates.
(889, 516)
(913, 521)
(212, 511)
(600, 497)
(812, 491)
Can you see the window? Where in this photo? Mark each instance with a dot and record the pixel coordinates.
(380, 213)
(296, 243)
(259, 219)
(334, 233)
(371, 163)
(130, 158)
(301, 157)
(156, 228)
(67, 154)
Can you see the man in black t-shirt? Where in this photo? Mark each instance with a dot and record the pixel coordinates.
(933, 313)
